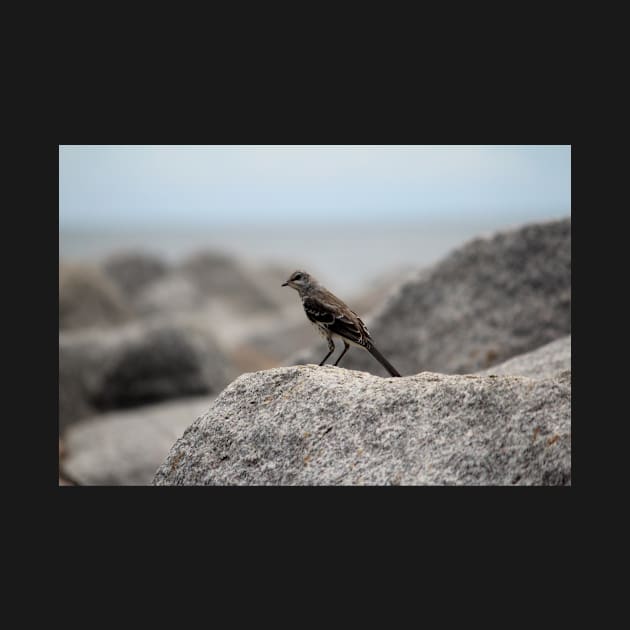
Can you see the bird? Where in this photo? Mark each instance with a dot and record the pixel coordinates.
(332, 318)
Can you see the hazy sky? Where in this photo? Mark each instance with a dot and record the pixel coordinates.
(136, 186)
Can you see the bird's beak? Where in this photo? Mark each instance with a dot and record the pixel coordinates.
(284, 284)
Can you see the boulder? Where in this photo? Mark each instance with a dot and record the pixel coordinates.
(310, 425)
(136, 364)
(81, 356)
(171, 294)
(133, 271)
(126, 447)
(487, 301)
(219, 276)
(88, 298)
(378, 290)
(275, 341)
(253, 317)
(212, 282)
(544, 362)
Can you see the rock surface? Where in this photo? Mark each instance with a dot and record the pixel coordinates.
(310, 425)
(489, 300)
(136, 364)
(88, 298)
(126, 447)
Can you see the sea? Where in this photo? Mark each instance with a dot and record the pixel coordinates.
(346, 258)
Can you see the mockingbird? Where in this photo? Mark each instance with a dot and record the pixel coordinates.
(332, 318)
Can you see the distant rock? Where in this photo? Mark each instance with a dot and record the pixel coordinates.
(378, 291)
(547, 361)
(80, 372)
(241, 306)
(171, 294)
(136, 364)
(126, 447)
(277, 339)
(310, 425)
(208, 281)
(133, 271)
(88, 298)
(489, 300)
(219, 276)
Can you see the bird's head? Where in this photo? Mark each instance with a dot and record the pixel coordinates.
(300, 281)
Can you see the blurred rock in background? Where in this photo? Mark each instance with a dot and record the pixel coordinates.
(126, 447)
(544, 362)
(133, 271)
(87, 298)
(220, 276)
(136, 364)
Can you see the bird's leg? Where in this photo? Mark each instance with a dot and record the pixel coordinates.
(347, 345)
(331, 348)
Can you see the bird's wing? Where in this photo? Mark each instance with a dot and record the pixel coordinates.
(318, 312)
(337, 318)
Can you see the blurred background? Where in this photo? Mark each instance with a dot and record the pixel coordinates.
(171, 260)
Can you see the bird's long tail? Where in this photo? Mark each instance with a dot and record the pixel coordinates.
(383, 361)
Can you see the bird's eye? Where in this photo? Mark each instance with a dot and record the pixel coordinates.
(297, 276)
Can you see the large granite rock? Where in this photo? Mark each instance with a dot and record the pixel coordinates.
(126, 447)
(136, 364)
(487, 301)
(310, 425)
(88, 298)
